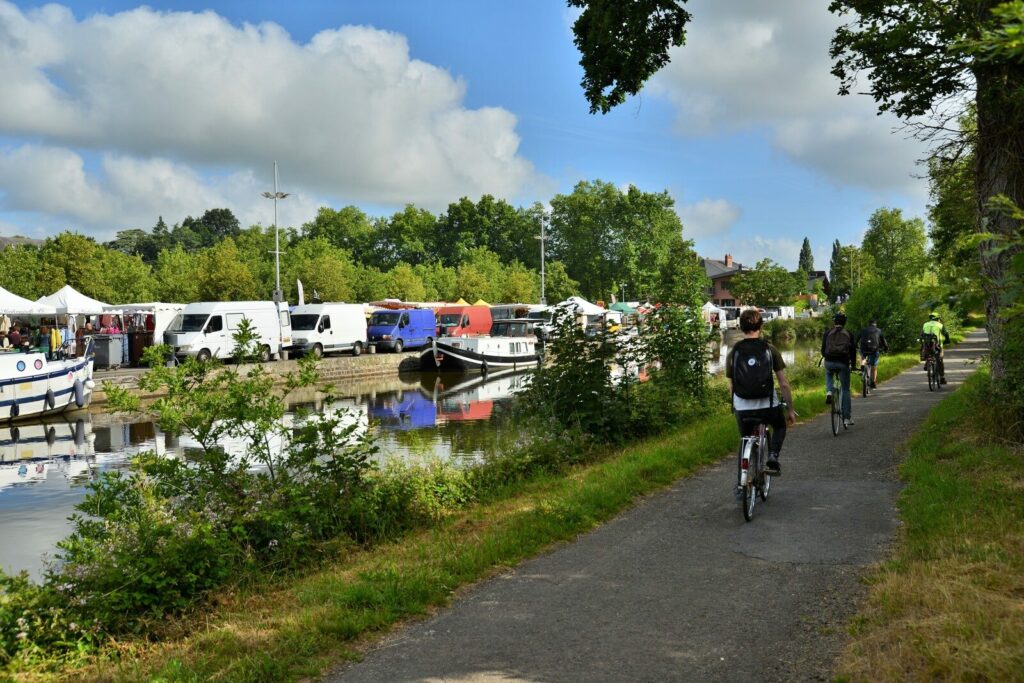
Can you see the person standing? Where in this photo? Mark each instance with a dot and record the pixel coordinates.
(840, 354)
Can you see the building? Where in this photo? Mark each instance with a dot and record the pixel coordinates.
(720, 273)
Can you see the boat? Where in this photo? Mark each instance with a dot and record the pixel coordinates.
(32, 385)
(511, 344)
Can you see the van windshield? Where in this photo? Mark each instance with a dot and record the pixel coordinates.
(304, 321)
(385, 318)
(193, 322)
(450, 319)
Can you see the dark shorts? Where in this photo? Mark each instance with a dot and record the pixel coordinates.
(871, 358)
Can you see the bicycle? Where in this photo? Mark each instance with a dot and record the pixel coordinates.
(837, 402)
(865, 378)
(754, 478)
(931, 365)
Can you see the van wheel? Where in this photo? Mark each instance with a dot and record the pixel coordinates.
(264, 354)
(357, 348)
(318, 351)
(203, 356)
(398, 346)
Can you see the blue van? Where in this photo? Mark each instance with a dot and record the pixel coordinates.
(407, 328)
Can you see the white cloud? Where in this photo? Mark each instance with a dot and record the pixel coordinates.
(128, 192)
(348, 115)
(755, 64)
(707, 217)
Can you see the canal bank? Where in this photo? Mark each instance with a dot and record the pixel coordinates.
(331, 369)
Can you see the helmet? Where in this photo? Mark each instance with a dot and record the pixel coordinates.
(933, 316)
(839, 318)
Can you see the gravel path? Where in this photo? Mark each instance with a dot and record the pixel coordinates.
(680, 587)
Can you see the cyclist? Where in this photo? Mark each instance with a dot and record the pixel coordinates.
(840, 353)
(750, 365)
(934, 332)
(871, 342)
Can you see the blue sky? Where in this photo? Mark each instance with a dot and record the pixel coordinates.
(124, 114)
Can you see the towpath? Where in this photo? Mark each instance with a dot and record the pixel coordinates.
(680, 588)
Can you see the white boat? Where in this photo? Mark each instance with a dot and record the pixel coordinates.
(32, 385)
(511, 344)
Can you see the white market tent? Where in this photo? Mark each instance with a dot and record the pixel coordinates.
(581, 306)
(163, 314)
(68, 300)
(12, 304)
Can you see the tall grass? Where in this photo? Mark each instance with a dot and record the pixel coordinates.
(948, 606)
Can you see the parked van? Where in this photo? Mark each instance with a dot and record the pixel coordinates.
(463, 321)
(407, 328)
(206, 329)
(328, 328)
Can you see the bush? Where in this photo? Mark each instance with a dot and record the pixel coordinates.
(899, 319)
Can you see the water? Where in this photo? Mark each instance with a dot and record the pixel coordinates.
(801, 351)
(44, 467)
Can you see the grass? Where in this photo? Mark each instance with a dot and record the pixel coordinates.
(949, 605)
(296, 627)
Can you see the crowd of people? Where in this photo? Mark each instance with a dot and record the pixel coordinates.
(46, 336)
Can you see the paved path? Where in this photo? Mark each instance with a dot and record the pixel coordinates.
(674, 588)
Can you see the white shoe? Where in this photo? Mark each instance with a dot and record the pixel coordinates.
(848, 422)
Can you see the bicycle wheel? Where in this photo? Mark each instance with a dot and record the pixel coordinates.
(865, 380)
(933, 381)
(837, 412)
(766, 484)
(749, 499)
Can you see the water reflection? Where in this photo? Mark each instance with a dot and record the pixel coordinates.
(790, 352)
(43, 466)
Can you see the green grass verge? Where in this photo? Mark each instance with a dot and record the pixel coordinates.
(296, 627)
(949, 605)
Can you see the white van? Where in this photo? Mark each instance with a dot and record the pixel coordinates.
(327, 328)
(206, 329)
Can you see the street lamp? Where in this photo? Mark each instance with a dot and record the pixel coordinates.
(275, 195)
(543, 238)
(623, 286)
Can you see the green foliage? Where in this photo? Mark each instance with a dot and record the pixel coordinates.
(623, 44)
(806, 260)
(852, 267)
(895, 245)
(885, 301)
(222, 276)
(558, 286)
(767, 284)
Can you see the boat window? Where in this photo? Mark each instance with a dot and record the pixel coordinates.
(304, 322)
(193, 322)
(216, 324)
(385, 318)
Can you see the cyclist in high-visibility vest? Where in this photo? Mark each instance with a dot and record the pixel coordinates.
(936, 330)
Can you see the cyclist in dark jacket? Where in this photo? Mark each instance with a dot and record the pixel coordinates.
(871, 342)
(839, 350)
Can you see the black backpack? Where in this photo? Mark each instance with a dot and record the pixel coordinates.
(838, 344)
(870, 339)
(752, 370)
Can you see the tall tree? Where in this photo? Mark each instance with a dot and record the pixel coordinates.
(347, 228)
(921, 55)
(174, 276)
(767, 284)
(896, 245)
(833, 264)
(223, 276)
(806, 263)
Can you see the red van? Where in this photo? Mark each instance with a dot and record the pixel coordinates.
(463, 321)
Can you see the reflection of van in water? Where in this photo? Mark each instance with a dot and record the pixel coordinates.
(408, 328)
(206, 329)
(462, 321)
(328, 328)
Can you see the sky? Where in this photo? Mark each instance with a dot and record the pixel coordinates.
(114, 114)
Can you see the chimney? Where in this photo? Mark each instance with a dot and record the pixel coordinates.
(728, 260)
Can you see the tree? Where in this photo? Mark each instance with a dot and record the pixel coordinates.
(853, 268)
(896, 245)
(129, 278)
(833, 264)
(174, 275)
(406, 237)
(440, 283)
(622, 44)
(79, 260)
(222, 276)
(806, 262)
(406, 284)
(767, 284)
(518, 285)
(20, 271)
(558, 286)
(322, 268)
(348, 228)
(920, 56)
(683, 278)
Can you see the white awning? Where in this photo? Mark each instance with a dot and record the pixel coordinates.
(12, 304)
(69, 300)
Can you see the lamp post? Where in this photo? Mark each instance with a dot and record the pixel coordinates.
(275, 195)
(543, 238)
(623, 287)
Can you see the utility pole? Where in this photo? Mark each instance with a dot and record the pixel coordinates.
(275, 195)
(543, 238)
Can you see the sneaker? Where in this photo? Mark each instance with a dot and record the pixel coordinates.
(772, 465)
(874, 386)
(942, 381)
(828, 399)
(848, 422)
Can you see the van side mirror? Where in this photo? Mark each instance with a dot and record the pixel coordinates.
(320, 327)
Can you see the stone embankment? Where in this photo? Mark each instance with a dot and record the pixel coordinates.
(342, 368)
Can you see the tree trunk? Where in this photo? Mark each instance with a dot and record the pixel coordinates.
(1000, 171)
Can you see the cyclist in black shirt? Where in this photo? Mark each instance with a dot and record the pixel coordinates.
(871, 342)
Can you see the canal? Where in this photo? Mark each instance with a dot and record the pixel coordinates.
(44, 467)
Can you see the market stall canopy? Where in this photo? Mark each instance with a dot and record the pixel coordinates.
(12, 304)
(581, 306)
(623, 307)
(69, 300)
(461, 302)
(481, 302)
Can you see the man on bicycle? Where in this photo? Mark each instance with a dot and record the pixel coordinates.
(934, 333)
(840, 354)
(871, 342)
(750, 365)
